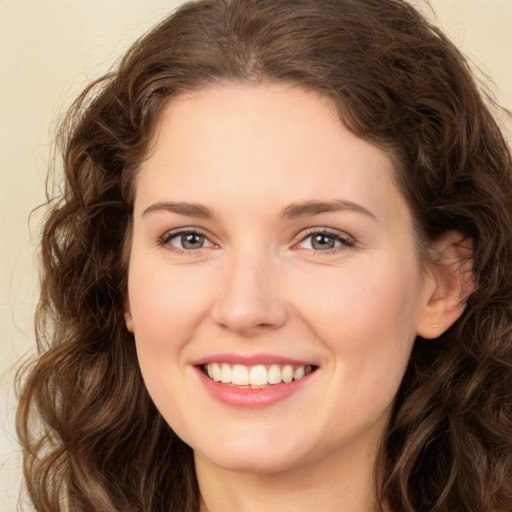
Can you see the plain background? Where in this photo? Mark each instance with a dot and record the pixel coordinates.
(49, 50)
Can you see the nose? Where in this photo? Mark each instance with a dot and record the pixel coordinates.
(250, 301)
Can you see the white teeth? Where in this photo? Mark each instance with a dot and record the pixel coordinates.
(255, 376)
(299, 373)
(215, 371)
(287, 373)
(274, 374)
(240, 375)
(225, 373)
(258, 376)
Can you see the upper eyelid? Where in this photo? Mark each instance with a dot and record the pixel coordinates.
(171, 233)
(329, 231)
(186, 229)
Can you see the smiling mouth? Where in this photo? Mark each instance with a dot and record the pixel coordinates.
(257, 376)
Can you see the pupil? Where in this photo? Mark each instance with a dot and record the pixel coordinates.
(192, 241)
(323, 242)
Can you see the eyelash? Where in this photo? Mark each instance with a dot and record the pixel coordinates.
(344, 240)
(165, 240)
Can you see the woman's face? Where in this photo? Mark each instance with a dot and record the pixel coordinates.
(269, 244)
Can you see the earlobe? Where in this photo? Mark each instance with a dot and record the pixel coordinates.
(128, 315)
(448, 283)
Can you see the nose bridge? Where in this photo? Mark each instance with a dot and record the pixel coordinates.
(249, 299)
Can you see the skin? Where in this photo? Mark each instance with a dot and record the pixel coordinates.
(259, 286)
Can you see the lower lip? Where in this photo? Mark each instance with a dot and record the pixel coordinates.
(251, 398)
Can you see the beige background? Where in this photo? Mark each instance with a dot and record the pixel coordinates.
(49, 49)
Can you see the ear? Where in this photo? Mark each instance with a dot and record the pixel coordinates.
(449, 281)
(128, 315)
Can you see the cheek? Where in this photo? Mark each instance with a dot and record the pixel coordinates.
(165, 306)
(360, 296)
(366, 316)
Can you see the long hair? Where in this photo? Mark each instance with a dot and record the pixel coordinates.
(92, 439)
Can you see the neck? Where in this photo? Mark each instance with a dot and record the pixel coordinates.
(333, 484)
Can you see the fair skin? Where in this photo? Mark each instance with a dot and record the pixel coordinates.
(267, 235)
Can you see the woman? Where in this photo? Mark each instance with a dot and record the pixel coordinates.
(278, 274)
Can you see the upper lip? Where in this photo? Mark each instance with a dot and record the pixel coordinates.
(251, 360)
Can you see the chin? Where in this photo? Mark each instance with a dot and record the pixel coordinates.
(255, 465)
(263, 457)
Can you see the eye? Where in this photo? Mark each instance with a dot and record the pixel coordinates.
(324, 241)
(189, 240)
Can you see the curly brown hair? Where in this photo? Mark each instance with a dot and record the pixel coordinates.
(91, 436)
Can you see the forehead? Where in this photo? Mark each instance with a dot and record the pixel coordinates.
(275, 143)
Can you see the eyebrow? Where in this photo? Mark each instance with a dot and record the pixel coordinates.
(291, 212)
(188, 209)
(307, 208)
